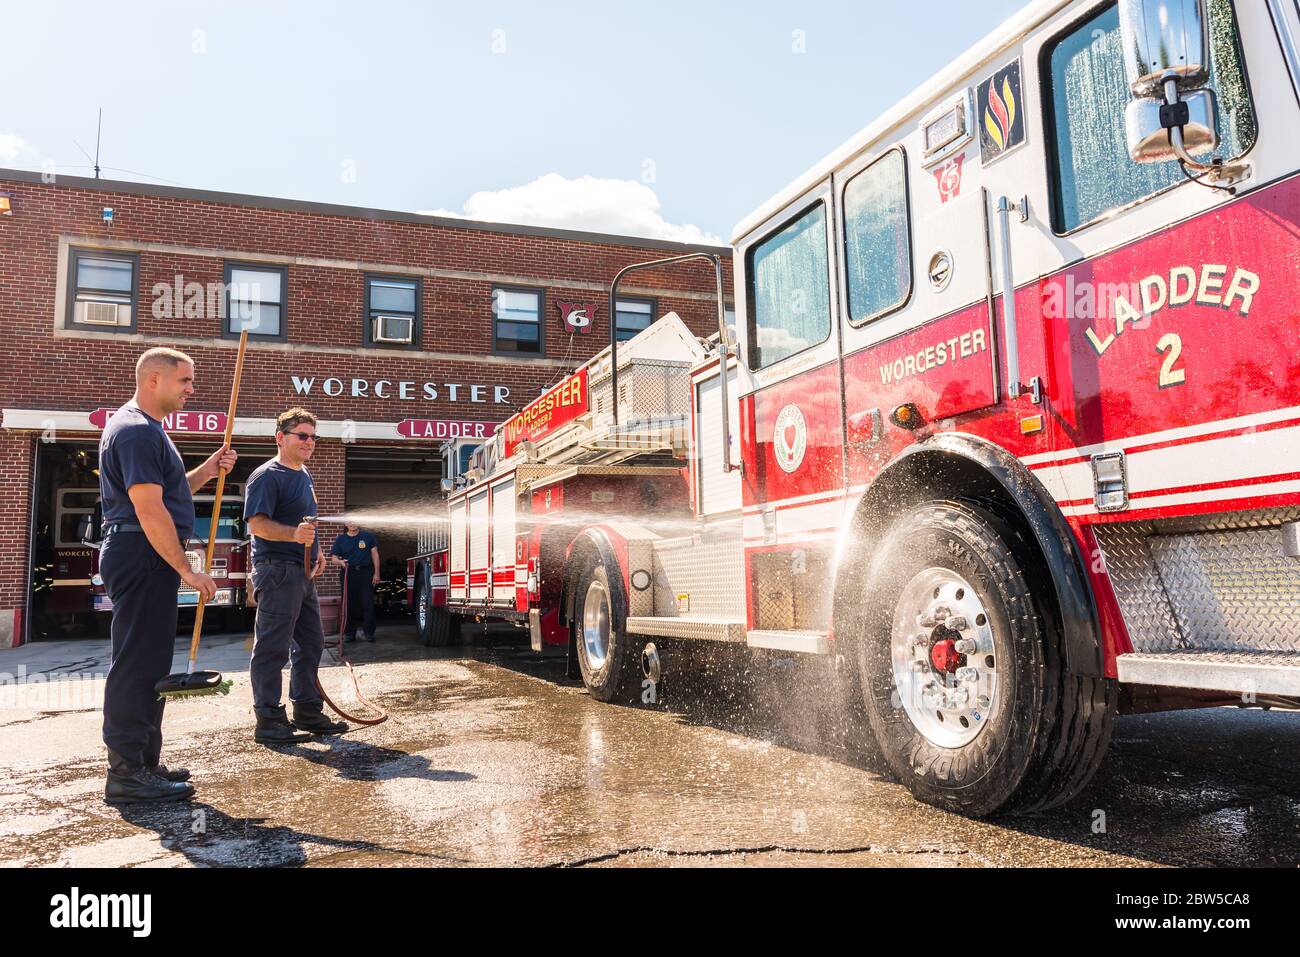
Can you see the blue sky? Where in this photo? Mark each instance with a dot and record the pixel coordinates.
(669, 118)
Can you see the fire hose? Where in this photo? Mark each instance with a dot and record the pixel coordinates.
(338, 652)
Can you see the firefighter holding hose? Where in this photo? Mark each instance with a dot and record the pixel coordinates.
(280, 507)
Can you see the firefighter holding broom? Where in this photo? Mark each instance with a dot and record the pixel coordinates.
(148, 509)
(280, 507)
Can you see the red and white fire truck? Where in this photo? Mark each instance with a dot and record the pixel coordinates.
(1009, 424)
(230, 608)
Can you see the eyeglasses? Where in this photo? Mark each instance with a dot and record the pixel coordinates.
(304, 436)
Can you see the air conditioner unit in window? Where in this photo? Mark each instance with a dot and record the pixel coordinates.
(393, 328)
(103, 313)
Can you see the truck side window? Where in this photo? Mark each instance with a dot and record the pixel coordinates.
(789, 290)
(877, 247)
(1093, 172)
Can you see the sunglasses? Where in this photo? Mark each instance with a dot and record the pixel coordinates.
(304, 436)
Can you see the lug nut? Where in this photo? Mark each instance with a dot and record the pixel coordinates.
(966, 646)
(982, 702)
(968, 674)
(918, 666)
(957, 623)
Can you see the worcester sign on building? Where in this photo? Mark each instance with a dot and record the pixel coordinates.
(400, 332)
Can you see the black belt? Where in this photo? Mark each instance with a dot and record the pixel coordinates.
(122, 527)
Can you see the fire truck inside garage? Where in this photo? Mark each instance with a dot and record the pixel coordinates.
(68, 601)
(1007, 428)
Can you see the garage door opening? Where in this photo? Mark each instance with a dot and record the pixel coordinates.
(395, 486)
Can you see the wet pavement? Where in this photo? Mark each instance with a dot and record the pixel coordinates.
(493, 757)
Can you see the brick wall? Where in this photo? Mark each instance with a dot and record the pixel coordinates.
(326, 254)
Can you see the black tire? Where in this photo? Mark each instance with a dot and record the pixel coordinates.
(435, 624)
(616, 677)
(1045, 730)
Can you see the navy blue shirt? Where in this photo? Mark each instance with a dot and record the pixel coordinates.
(356, 549)
(134, 450)
(285, 496)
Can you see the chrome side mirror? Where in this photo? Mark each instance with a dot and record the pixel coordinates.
(1166, 50)
(1164, 40)
(448, 485)
(1148, 138)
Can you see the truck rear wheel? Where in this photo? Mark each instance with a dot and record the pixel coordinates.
(607, 658)
(435, 624)
(963, 671)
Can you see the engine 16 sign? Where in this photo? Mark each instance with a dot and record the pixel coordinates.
(183, 421)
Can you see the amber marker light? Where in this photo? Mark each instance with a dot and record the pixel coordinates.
(907, 416)
(1030, 425)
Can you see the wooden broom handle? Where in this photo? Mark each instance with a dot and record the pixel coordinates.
(221, 486)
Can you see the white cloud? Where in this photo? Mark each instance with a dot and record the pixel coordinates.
(620, 206)
(12, 146)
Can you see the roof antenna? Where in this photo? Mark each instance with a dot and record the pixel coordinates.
(99, 127)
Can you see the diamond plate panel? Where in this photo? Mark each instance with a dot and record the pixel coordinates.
(692, 627)
(709, 569)
(1232, 590)
(646, 387)
(1141, 595)
(1206, 583)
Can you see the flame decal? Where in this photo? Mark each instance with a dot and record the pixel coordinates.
(1010, 99)
(996, 117)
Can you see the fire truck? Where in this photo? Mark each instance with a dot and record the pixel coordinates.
(230, 608)
(1007, 427)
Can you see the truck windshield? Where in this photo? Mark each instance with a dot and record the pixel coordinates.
(229, 526)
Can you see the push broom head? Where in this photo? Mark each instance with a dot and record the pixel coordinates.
(192, 685)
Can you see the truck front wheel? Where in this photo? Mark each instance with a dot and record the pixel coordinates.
(606, 656)
(963, 669)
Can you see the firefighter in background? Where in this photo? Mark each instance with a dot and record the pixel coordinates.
(356, 553)
(148, 514)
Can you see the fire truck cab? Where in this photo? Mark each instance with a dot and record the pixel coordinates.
(230, 608)
(1007, 427)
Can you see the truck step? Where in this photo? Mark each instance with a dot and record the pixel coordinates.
(808, 642)
(1261, 672)
(701, 627)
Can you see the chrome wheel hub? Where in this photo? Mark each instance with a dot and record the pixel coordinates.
(595, 625)
(941, 651)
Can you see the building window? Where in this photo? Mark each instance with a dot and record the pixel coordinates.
(392, 312)
(632, 316)
(517, 321)
(877, 247)
(103, 290)
(255, 300)
(789, 290)
(1093, 173)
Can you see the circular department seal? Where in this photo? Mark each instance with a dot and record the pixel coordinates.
(790, 438)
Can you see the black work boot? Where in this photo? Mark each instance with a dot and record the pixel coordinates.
(310, 716)
(168, 774)
(129, 783)
(273, 727)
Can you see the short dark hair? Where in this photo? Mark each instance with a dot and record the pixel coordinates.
(292, 418)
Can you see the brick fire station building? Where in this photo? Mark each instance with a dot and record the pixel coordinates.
(408, 336)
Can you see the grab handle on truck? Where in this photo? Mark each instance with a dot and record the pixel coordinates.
(724, 346)
(1005, 209)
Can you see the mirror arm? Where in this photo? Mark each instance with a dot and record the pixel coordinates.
(1216, 170)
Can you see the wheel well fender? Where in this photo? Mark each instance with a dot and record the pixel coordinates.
(590, 542)
(960, 466)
